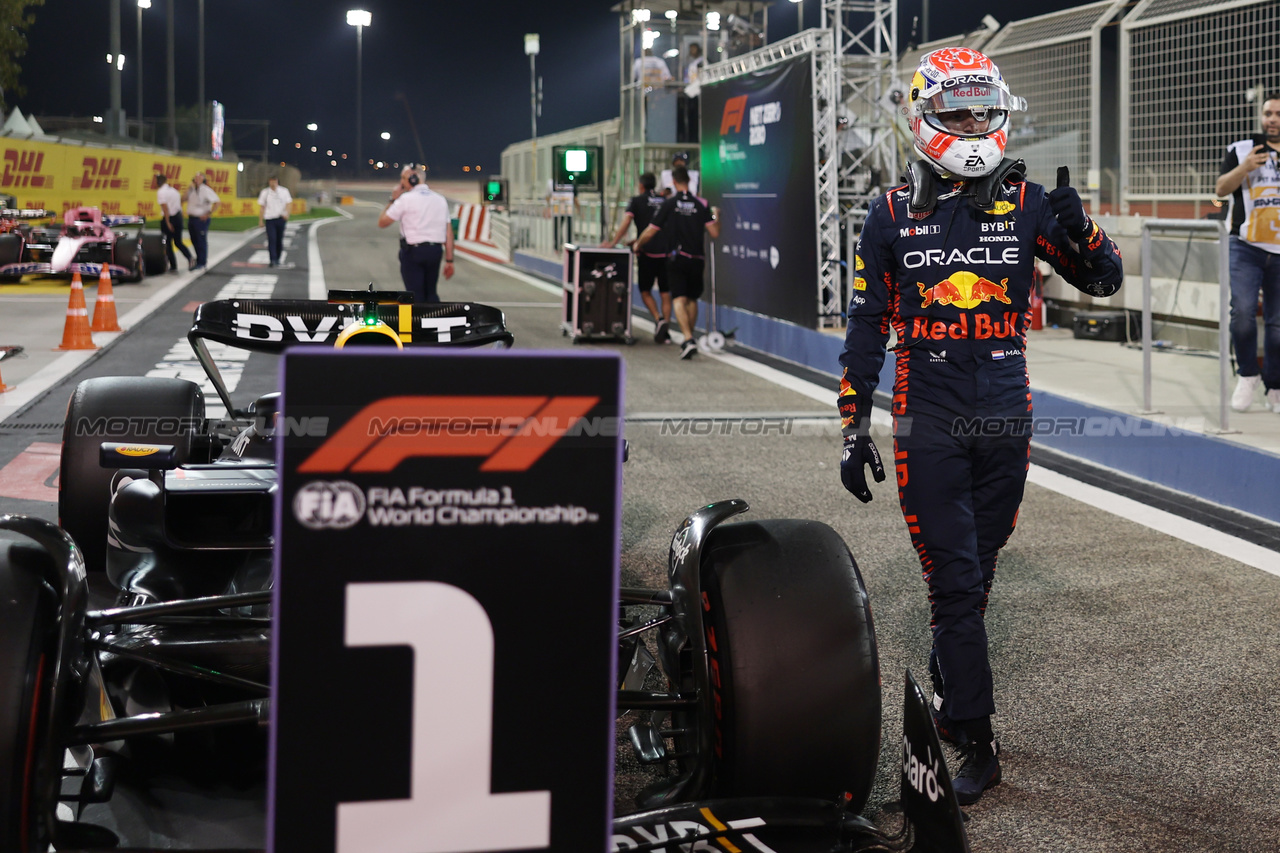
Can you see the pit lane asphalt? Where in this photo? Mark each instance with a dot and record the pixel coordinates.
(1135, 673)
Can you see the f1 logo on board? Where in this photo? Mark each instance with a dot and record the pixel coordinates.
(735, 110)
(512, 433)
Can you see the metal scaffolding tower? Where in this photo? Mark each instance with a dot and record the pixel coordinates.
(866, 50)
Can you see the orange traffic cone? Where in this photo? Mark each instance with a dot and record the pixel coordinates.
(104, 310)
(75, 334)
(3, 387)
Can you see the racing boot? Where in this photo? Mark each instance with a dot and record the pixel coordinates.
(947, 728)
(980, 768)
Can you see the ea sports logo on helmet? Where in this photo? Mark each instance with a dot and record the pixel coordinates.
(324, 505)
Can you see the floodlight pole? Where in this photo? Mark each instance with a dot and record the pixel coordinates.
(142, 4)
(359, 18)
(205, 143)
(172, 98)
(359, 91)
(531, 47)
(114, 125)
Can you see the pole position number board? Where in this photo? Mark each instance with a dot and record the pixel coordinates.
(445, 602)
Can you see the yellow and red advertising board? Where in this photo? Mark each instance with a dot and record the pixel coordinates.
(58, 176)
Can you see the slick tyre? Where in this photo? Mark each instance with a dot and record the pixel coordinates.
(128, 254)
(28, 648)
(11, 246)
(154, 261)
(790, 635)
(133, 409)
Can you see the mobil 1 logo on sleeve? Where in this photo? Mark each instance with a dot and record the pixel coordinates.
(445, 606)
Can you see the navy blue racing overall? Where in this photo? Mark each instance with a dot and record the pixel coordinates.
(954, 285)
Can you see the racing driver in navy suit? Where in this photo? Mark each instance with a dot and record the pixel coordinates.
(946, 263)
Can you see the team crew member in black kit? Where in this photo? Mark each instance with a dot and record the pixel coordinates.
(683, 219)
(651, 264)
(946, 262)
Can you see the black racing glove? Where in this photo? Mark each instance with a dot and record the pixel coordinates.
(859, 451)
(1068, 208)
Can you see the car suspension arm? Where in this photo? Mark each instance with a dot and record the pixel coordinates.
(178, 667)
(147, 613)
(250, 711)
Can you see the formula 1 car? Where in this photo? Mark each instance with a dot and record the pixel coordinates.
(84, 241)
(768, 723)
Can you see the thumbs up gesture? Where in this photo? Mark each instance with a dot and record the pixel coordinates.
(1067, 207)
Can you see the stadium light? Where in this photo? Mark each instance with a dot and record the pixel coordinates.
(713, 20)
(313, 127)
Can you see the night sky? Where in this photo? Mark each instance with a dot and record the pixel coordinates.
(460, 64)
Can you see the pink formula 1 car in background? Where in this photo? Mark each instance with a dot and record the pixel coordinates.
(84, 241)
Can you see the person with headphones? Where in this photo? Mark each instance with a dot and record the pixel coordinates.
(426, 235)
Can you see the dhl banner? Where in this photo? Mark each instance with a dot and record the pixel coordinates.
(59, 177)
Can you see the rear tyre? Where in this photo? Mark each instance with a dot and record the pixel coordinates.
(135, 409)
(790, 634)
(10, 253)
(28, 647)
(154, 261)
(128, 254)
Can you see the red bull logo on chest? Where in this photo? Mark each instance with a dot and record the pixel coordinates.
(964, 290)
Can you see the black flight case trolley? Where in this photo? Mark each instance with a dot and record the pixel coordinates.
(597, 294)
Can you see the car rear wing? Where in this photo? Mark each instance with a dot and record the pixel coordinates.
(115, 220)
(274, 325)
(26, 213)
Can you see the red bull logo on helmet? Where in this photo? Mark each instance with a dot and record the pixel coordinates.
(964, 290)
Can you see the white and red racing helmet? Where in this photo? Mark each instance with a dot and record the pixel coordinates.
(950, 81)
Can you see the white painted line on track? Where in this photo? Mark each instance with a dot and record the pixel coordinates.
(316, 288)
(1155, 519)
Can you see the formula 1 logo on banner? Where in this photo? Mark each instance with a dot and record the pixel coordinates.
(512, 433)
(734, 111)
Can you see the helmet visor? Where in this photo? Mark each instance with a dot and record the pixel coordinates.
(970, 91)
(968, 121)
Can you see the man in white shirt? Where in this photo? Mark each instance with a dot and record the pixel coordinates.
(171, 221)
(650, 70)
(201, 200)
(426, 234)
(274, 204)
